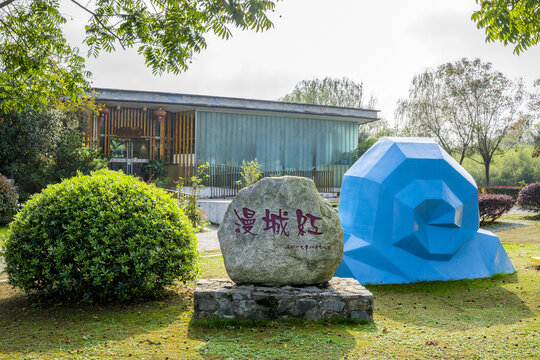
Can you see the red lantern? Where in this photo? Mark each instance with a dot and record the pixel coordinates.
(160, 114)
(104, 111)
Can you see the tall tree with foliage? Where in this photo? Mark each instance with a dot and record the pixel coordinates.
(492, 102)
(27, 145)
(467, 105)
(515, 22)
(39, 148)
(331, 92)
(434, 109)
(431, 111)
(534, 106)
(345, 93)
(37, 64)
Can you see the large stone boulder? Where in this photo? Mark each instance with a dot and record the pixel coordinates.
(280, 231)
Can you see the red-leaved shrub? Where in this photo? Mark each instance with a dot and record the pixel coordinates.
(8, 200)
(493, 206)
(529, 197)
(513, 191)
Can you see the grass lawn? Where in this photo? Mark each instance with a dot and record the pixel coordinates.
(484, 318)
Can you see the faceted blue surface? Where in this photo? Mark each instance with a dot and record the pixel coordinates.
(409, 213)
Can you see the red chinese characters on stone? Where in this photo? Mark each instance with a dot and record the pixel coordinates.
(302, 219)
(247, 221)
(276, 222)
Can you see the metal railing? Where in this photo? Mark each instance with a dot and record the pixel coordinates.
(225, 181)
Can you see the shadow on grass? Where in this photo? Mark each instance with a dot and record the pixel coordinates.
(501, 225)
(276, 339)
(526, 216)
(453, 305)
(523, 235)
(27, 328)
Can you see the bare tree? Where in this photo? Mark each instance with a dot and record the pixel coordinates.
(431, 111)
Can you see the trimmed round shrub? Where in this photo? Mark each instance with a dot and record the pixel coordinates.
(100, 237)
(493, 206)
(529, 197)
(8, 200)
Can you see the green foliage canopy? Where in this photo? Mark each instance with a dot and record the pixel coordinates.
(37, 64)
(36, 61)
(39, 148)
(331, 92)
(516, 166)
(364, 143)
(72, 156)
(514, 22)
(534, 106)
(27, 146)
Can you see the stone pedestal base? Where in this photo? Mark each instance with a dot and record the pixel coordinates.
(339, 298)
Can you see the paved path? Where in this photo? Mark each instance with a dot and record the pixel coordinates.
(208, 241)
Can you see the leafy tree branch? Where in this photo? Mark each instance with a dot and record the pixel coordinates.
(38, 66)
(514, 22)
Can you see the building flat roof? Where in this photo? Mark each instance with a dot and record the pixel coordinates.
(184, 102)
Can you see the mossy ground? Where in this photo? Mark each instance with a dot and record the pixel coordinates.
(483, 318)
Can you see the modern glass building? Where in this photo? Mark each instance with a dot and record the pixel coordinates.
(186, 130)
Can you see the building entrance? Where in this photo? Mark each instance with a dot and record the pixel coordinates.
(130, 155)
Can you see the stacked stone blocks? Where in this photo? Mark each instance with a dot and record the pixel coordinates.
(342, 298)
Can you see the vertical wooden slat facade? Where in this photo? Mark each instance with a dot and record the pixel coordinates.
(174, 136)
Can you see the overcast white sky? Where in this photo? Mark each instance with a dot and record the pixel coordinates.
(380, 43)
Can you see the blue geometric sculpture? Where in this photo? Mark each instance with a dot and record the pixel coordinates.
(409, 213)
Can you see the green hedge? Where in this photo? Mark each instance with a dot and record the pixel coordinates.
(100, 237)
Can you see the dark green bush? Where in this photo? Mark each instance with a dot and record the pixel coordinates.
(8, 200)
(72, 156)
(100, 237)
(40, 148)
(27, 143)
(529, 197)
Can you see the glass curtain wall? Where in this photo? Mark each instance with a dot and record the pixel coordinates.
(278, 143)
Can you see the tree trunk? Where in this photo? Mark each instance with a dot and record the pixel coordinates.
(462, 157)
(486, 165)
